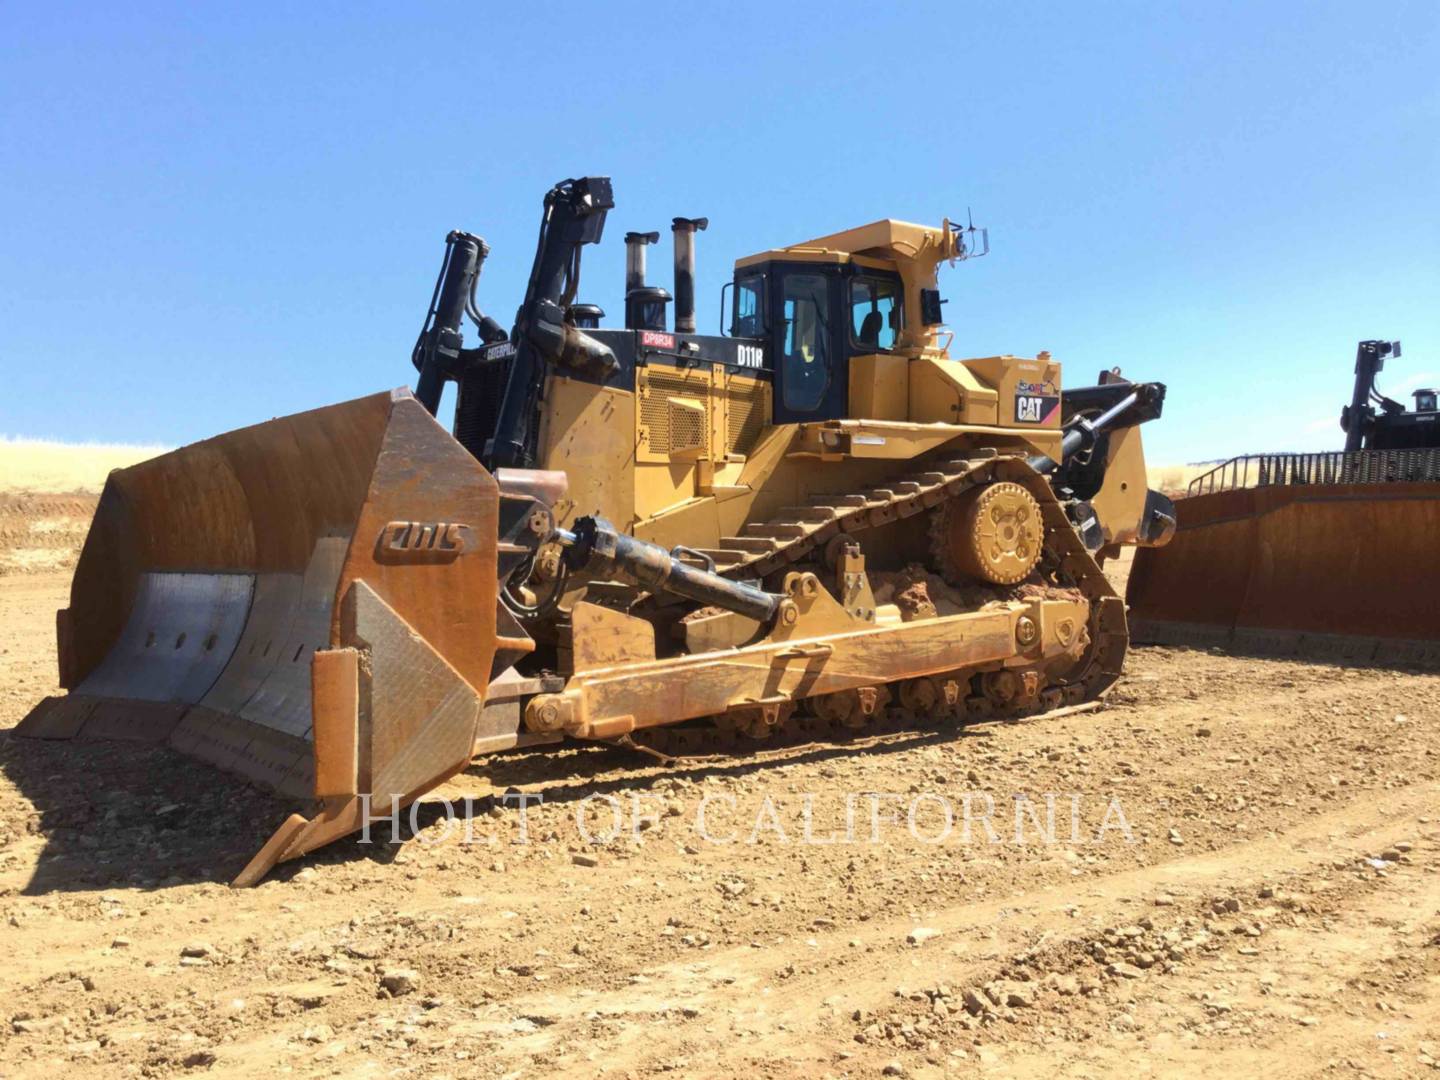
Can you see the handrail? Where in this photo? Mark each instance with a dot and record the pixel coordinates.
(1326, 467)
(1237, 468)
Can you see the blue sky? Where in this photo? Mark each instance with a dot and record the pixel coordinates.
(211, 216)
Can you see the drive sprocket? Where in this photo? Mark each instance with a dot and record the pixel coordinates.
(993, 533)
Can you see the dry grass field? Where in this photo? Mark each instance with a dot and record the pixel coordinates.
(40, 466)
(1174, 479)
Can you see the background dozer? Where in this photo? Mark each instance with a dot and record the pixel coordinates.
(813, 521)
(1327, 554)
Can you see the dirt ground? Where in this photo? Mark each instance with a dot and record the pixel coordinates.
(42, 533)
(1243, 881)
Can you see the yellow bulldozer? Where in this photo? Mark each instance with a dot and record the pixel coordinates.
(812, 523)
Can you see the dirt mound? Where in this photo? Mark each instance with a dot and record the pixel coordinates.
(42, 533)
(48, 492)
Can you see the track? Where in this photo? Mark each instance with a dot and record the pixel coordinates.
(800, 534)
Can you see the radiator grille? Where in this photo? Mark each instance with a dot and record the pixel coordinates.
(477, 405)
(656, 414)
(688, 426)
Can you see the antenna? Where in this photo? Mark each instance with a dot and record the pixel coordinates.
(984, 237)
(970, 242)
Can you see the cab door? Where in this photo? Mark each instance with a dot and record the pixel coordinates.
(811, 361)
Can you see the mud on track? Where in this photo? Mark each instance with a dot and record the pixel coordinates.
(1276, 914)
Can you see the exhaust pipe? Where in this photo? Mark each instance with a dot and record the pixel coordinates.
(644, 304)
(584, 316)
(684, 230)
(635, 244)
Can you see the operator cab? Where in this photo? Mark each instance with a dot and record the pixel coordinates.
(813, 317)
(817, 306)
(1425, 401)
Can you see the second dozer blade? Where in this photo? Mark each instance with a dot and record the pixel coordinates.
(1326, 570)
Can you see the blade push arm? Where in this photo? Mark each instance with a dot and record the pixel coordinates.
(599, 548)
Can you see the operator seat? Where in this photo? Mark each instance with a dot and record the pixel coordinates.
(870, 329)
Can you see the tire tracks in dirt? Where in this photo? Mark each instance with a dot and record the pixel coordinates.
(802, 1018)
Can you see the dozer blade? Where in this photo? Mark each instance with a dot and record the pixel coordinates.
(308, 603)
(1331, 571)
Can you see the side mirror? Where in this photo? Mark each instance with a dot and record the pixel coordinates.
(930, 302)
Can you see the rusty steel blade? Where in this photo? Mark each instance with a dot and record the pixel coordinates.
(1339, 570)
(308, 603)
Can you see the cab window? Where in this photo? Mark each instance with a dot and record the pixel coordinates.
(874, 313)
(749, 322)
(805, 352)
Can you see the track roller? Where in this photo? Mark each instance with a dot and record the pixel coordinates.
(757, 721)
(851, 708)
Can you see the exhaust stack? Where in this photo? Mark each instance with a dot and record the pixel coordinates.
(684, 230)
(644, 304)
(635, 244)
